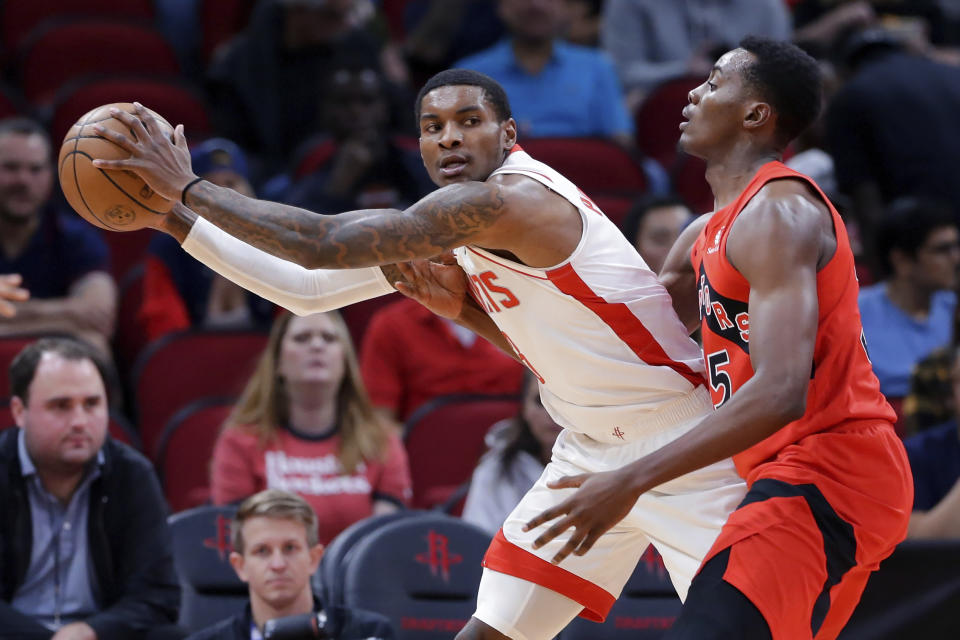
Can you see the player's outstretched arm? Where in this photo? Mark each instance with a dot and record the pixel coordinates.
(776, 244)
(678, 276)
(302, 291)
(450, 217)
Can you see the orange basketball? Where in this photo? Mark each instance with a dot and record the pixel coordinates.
(114, 200)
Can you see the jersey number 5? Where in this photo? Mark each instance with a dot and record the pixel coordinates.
(719, 379)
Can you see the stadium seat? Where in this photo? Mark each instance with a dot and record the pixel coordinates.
(19, 17)
(422, 573)
(61, 50)
(186, 448)
(220, 20)
(328, 580)
(658, 118)
(176, 100)
(184, 366)
(357, 315)
(645, 610)
(210, 590)
(12, 103)
(129, 336)
(597, 166)
(10, 346)
(690, 182)
(444, 439)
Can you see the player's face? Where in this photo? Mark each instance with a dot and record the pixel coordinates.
(277, 561)
(460, 137)
(544, 429)
(64, 420)
(311, 352)
(26, 177)
(716, 109)
(658, 230)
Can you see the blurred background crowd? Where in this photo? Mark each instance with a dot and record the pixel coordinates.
(384, 406)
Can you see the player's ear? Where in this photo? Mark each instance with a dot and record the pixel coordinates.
(758, 114)
(509, 134)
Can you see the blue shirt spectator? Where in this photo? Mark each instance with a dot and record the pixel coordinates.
(897, 341)
(935, 460)
(576, 94)
(63, 250)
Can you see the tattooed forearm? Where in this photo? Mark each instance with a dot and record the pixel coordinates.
(446, 219)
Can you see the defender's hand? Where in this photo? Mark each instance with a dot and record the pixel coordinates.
(162, 164)
(442, 288)
(603, 500)
(11, 291)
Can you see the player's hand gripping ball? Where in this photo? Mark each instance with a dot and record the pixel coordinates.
(114, 200)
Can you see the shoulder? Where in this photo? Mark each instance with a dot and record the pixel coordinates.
(786, 209)
(520, 191)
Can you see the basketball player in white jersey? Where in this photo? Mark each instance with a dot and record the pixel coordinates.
(553, 283)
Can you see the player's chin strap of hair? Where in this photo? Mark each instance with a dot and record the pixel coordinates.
(302, 291)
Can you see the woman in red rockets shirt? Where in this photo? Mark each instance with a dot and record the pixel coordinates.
(305, 424)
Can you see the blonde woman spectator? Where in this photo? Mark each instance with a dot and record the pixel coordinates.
(304, 424)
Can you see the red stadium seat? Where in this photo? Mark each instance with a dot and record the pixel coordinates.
(220, 20)
(595, 165)
(444, 439)
(689, 180)
(658, 118)
(12, 103)
(185, 366)
(60, 51)
(10, 346)
(174, 99)
(186, 448)
(19, 17)
(129, 336)
(357, 315)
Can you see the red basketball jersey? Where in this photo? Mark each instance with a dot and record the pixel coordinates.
(843, 387)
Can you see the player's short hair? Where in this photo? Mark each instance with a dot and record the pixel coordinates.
(493, 93)
(789, 79)
(906, 225)
(23, 368)
(276, 504)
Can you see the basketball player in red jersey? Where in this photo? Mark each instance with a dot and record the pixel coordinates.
(798, 406)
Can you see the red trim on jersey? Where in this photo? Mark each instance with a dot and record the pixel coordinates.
(618, 317)
(508, 558)
(500, 264)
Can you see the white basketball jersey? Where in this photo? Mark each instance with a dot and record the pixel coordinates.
(598, 330)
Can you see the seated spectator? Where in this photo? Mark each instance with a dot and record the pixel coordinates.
(178, 291)
(63, 260)
(364, 169)
(910, 314)
(11, 291)
(935, 460)
(520, 448)
(275, 551)
(410, 356)
(304, 424)
(651, 41)
(930, 401)
(556, 89)
(653, 225)
(84, 546)
(263, 84)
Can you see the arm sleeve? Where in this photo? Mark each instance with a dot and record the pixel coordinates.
(394, 482)
(231, 476)
(302, 291)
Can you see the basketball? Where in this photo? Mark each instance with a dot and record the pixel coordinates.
(113, 200)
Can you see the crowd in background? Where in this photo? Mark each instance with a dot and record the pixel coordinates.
(308, 102)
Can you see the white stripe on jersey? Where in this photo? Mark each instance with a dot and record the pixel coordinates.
(598, 329)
